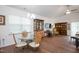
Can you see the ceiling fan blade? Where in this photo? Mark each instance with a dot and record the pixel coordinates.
(74, 9)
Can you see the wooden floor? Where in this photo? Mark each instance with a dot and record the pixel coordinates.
(56, 44)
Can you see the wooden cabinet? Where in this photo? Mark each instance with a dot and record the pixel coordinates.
(38, 36)
(61, 28)
(38, 24)
(38, 30)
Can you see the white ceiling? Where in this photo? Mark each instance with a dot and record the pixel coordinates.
(46, 10)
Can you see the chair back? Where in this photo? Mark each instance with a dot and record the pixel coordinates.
(14, 38)
(24, 34)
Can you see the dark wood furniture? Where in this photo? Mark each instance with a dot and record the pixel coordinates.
(38, 29)
(76, 40)
(38, 34)
(61, 28)
(38, 24)
(48, 33)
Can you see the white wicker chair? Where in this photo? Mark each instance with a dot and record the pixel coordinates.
(21, 44)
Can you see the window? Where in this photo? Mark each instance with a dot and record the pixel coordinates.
(74, 28)
(18, 24)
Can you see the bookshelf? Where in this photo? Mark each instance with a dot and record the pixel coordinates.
(61, 28)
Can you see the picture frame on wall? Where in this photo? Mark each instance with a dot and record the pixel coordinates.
(48, 25)
(2, 20)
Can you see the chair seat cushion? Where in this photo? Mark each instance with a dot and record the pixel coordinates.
(33, 44)
(21, 44)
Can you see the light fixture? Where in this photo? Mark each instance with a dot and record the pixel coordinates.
(68, 12)
(33, 16)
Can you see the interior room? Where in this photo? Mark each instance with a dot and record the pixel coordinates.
(39, 28)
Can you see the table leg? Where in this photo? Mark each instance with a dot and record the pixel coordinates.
(77, 43)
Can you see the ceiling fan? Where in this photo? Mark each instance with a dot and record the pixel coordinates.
(70, 11)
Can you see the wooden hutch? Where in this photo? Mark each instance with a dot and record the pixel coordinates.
(38, 29)
(61, 28)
